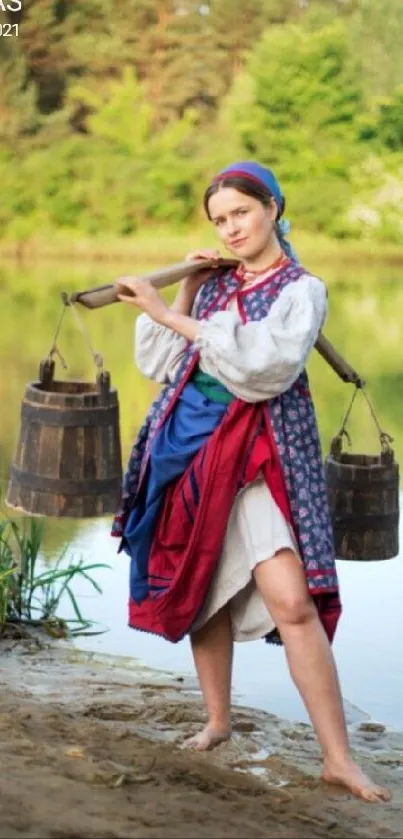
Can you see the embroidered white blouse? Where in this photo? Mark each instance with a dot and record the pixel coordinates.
(254, 361)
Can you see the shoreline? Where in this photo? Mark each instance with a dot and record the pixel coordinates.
(164, 244)
(106, 732)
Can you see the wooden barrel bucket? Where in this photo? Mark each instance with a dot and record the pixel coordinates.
(68, 457)
(363, 492)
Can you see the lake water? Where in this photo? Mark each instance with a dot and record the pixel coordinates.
(366, 311)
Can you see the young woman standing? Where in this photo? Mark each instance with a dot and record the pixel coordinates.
(224, 511)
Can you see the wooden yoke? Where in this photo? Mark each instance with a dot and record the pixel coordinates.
(105, 295)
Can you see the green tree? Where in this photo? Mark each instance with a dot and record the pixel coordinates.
(295, 108)
(195, 52)
(377, 33)
(145, 173)
(300, 93)
(186, 51)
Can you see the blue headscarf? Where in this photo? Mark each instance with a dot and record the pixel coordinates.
(257, 172)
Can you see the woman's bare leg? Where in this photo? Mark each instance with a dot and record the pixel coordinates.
(282, 584)
(212, 648)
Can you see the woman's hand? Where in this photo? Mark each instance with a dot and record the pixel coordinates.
(142, 294)
(194, 281)
(189, 287)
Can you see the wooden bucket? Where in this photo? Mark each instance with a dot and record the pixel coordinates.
(363, 492)
(68, 457)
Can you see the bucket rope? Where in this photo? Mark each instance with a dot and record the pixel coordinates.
(384, 437)
(54, 349)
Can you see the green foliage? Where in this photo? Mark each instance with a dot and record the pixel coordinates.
(390, 121)
(377, 37)
(111, 118)
(106, 179)
(29, 594)
(8, 568)
(376, 209)
(18, 114)
(294, 107)
(305, 92)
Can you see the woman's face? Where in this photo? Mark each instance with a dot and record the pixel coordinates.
(244, 224)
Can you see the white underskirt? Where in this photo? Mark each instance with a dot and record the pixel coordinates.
(256, 531)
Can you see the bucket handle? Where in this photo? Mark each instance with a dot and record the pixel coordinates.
(47, 366)
(336, 446)
(47, 372)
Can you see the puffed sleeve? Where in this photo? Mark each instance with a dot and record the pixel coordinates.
(261, 359)
(158, 351)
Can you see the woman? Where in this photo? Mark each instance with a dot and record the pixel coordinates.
(224, 511)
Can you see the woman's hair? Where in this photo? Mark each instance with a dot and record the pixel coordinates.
(256, 189)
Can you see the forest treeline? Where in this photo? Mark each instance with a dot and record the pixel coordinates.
(116, 114)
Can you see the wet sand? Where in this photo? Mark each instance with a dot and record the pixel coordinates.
(91, 749)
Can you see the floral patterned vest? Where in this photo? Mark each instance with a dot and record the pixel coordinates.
(293, 423)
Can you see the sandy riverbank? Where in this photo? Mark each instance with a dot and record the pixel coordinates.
(90, 749)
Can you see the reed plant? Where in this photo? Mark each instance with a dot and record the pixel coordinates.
(32, 592)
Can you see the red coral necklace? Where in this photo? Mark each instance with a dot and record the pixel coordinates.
(247, 276)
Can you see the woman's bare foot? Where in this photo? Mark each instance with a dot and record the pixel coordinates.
(207, 739)
(349, 775)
